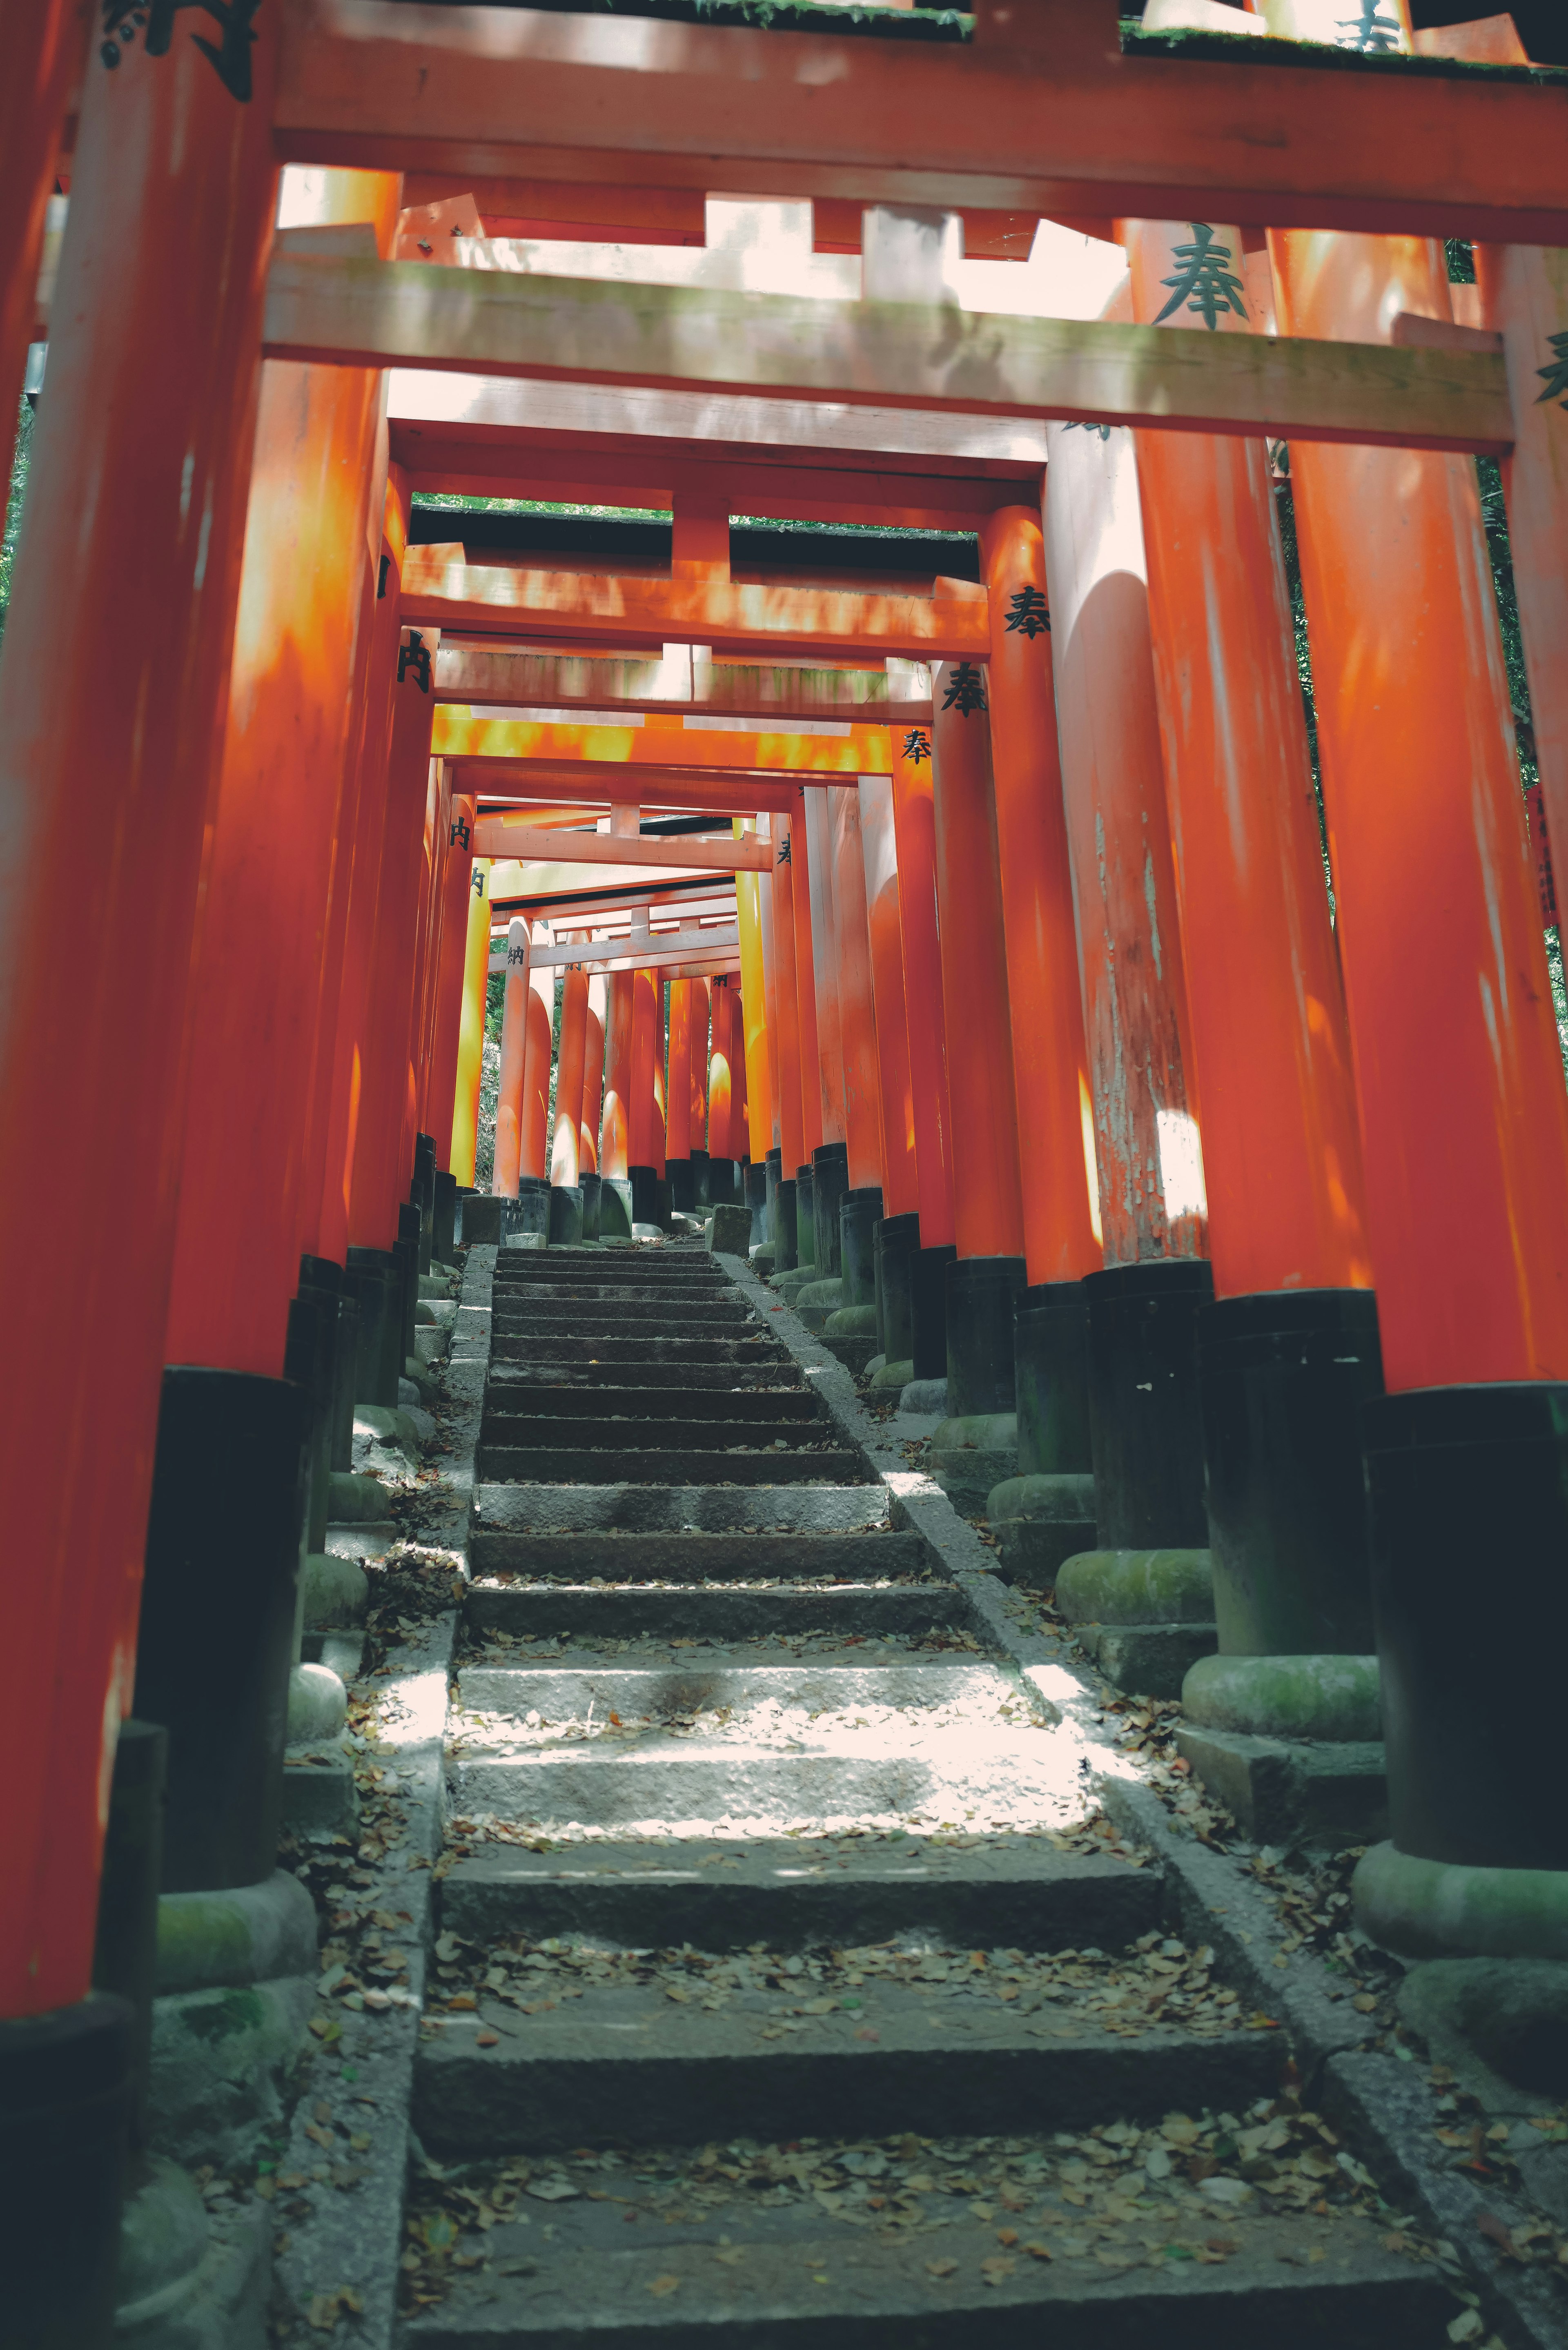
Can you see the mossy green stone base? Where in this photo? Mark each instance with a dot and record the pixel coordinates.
(318, 1703)
(815, 1300)
(892, 1378)
(971, 1454)
(242, 1936)
(1039, 1522)
(335, 1591)
(1444, 1909)
(221, 2063)
(357, 1501)
(850, 1333)
(1136, 1587)
(1287, 1697)
(1500, 2025)
(1321, 1795)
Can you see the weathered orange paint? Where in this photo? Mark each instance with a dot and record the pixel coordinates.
(818, 834)
(43, 41)
(790, 1131)
(900, 1182)
(288, 748)
(662, 742)
(456, 893)
(1143, 1097)
(1459, 1074)
(740, 1117)
(1050, 1064)
(508, 1160)
(701, 1014)
(678, 1133)
(614, 1128)
(1281, 1152)
(566, 1162)
(660, 1077)
(381, 1174)
(770, 989)
(914, 833)
(471, 1035)
(811, 1135)
(112, 693)
(438, 802)
(988, 1205)
(644, 1047)
(534, 1137)
(721, 1062)
(753, 1017)
(593, 1077)
(856, 1012)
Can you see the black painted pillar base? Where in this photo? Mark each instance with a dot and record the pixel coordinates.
(1282, 1378)
(529, 1211)
(125, 1951)
(370, 1278)
(644, 1195)
(423, 1195)
(566, 1215)
(787, 1248)
(307, 1360)
(443, 1231)
(700, 1180)
(757, 1201)
(804, 1220)
(1467, 1499)
(465, 1192)
(829, 1183)
(323, 1278)
(590, 1207)
(724, 1184)
(682, 1178)
(898, 1239)
(218, 1595)
(1051, 1376)
(66, 2095)
(859, 1213)
(406, 1248)
(614, 1207)
(929, 1309)
(773, 1167)
(980, 1291)
(1144, 1419)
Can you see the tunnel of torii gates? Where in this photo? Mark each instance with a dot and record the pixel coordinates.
(953, 893)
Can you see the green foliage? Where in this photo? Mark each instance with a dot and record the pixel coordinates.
(541, 507)
(18, 490)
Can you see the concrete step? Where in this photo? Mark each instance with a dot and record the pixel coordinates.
(751, 2280)
(615, 1347)
(795, 1894)
(558, 1464)
(755, 1407)
(615, 1313)
(603, 1612)
(690, 1509)
(635, 1431)
(763, 1373)
(630, 2067)
(703, 1682)
(550, 1279)
(701, 1558)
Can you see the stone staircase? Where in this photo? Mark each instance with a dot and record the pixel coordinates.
(784, 1992)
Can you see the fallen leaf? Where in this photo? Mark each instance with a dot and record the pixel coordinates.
(553, 2190)
(487, 2040)
(942, 2268)
(1007, 2236)
(866, 2032)
(995, 2270)
(1222, 2246)
(1466, 2325)
(1039, 2251)
(1498, 2231)
(736, 2253)
(663, 2284)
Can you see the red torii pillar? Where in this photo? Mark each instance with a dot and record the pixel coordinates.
(593, 1099)
(862, 1203)
(508, 1162)
(471, 1033)
(112, 695)
(783, 996)
(565, 1164)
(830, 1159)
(644, 1139)
(534, 1136)
(678, 1133)
(457, 894)
(811, 1135)
(914, 827)
(615, 1124)
(898, 1234)
(1447, 986)
(701, 1015)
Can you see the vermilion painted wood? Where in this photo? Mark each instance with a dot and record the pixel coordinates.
(470, 1031)
(811, 1135)
(754, 1038)
(1281, 1152)
(1050, 1067)
(817, 828)
(792, 1143)
(334, 1232)
(508, 1162)
(644, 1046)
(456, 893)
(678, 1136)
(565, 1160)
(1466, 1157)
(914, 831)
(288, 751)
(661, 1068)
(380, 1178)
(438, 802)
(856, 1007)
(43, 41)
(900, 1182)
(115, 722)
(593, 1077)
(719, 1080)
(533, 1140)
(988, 1205)
(771, 984)
(779, 752)
(1015, 125)
(615, 1132)
(1123, 884)
(701, 1014)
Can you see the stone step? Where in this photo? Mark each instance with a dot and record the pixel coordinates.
(705, 1682)
(791, 1406)
(603, 1612)
(766, 2280)
(634, 1431)
(795, 1894)
(549, 1277)
(690, 1509)
(764, 1374)
(615, 1347)
(719, 1314)
(558, 1464)
(701, 1558)
(630, 2067)
(995, 1769)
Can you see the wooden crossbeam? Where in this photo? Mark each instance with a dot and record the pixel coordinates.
(621, 954)
(537, 844)
(1052, 119)
(510, 675)
(605, 608)
(671, 790)
(690, 897)
(862, 750)
(390, 313)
